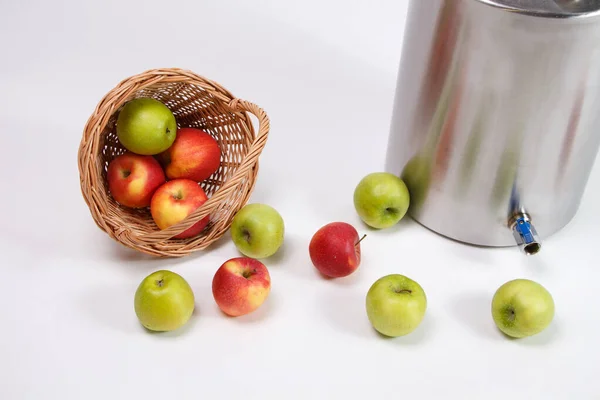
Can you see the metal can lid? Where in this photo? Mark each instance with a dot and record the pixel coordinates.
(549, 8)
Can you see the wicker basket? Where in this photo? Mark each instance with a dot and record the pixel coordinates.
(196, 102)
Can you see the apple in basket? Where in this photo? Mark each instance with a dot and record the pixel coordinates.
(146, 126)
(194, 155)
(174, 201)
(133, 179)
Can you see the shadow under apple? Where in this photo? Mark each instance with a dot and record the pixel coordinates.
(345, 312)
(111, 306)
(545, 338)
(124, 253)
(405, 223)
(416, 337)
(262, 313)
(182, 331)
(285, 251)
(474, 311)
(293, 258)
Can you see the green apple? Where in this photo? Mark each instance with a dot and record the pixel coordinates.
(257, 230)
(146, 126)
(396, 305)
(164, 301)
(381, 199)
(522, 308)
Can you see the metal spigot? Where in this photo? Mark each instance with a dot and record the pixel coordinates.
(525, 234)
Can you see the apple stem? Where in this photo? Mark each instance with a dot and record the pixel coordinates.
(511, 314)
(361, 239)
(159, 283)
(248, 274)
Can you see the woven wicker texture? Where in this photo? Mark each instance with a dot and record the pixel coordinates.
(196, 102)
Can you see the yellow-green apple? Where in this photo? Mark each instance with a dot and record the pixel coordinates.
(395, 305)
(381, 199)
(146, 126)
(193, 155)
(133, 179)
(522, 308)
(241, 285)
(174, 201)
(164, 301)
(257, 230)
(335, 249)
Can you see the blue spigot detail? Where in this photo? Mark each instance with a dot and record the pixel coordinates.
(526, 235)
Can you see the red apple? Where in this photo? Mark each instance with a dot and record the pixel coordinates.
(174, 201)
(335, 249)
(133, 179)
(193, 155)
(241, 285)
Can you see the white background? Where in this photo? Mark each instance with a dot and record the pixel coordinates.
(325, 72)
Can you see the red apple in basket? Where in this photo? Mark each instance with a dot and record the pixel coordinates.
(241, 285)
(133, 179)
(335, 249)
(174, 201)
(193, 155)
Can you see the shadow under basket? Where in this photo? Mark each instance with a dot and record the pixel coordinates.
(198, 103)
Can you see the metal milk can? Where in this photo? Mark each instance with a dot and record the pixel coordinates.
(496, 120)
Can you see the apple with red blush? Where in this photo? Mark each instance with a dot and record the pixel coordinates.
(174, 201)
(194, 155)
(241, 285)
(335, 249)
(132, 179)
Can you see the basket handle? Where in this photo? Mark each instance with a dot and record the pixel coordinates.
(256, 147)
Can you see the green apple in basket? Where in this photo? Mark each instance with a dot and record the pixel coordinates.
(146, 126)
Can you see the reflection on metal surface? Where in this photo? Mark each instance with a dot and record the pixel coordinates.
(491, 104)
(549, 8)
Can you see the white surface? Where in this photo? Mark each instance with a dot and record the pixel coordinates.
(325, 72)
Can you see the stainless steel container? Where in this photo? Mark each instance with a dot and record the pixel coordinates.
(496, 121)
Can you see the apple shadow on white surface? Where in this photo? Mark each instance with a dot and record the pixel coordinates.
(184, 330)
(416, 337)
(123, 253)
(544, 338)
(293, 258)
(262, 313)
(473, 311)
(346, 313)
(279, 259)
(111, 307)
(404, 224)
